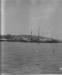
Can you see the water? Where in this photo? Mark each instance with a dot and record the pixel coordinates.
(31, 58)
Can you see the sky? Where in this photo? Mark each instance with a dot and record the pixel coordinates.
(0, 17)
(22, 16)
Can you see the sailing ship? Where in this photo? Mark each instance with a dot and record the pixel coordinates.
(35, 38)
(39, 39)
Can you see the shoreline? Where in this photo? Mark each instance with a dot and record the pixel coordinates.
(31, 41)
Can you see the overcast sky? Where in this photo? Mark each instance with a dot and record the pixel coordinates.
(23, 15)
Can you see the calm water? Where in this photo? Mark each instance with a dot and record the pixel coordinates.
(31, 58)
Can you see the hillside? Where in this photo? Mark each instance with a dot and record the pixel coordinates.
(29, 38)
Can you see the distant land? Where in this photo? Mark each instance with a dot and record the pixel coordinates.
(28, 38)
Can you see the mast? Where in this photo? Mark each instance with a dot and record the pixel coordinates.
(31, 33)
(38, 32)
